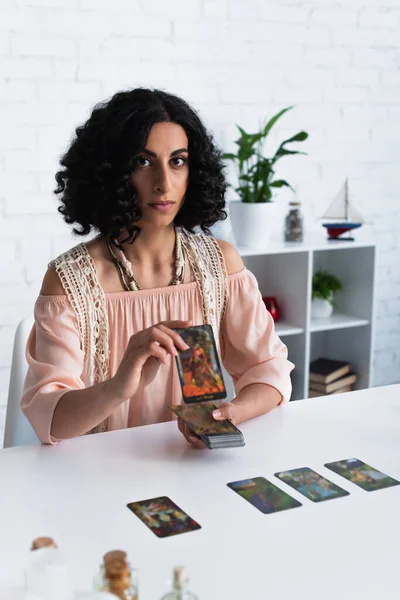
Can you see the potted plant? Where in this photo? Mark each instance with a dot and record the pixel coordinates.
(251, 215)
(324, 287)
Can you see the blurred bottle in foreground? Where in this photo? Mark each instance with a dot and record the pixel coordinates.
(47, 575)
(117, 576)
(179, 587)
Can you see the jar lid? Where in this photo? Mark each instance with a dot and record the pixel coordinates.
(115, 555)
(295, 203)
(43, 542)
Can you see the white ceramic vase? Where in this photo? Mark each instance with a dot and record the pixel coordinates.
(253, 222)
(321, 308)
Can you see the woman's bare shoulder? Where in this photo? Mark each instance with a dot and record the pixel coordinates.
(233, 260)
(51, 285)
(96, 250)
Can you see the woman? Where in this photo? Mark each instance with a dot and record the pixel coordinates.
(143, 173)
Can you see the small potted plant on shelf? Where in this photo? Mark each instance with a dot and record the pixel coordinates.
(252, 216)
(324, 287)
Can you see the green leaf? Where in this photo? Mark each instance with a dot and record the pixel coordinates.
(280, 183)
(228, 156)
(247, 145)
(299, 137)
(284, 152)
(246, 150)
(274, 119)
(242, 131)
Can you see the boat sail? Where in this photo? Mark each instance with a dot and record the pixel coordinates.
(348, 217)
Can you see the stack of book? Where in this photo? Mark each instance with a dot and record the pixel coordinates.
(328, 376)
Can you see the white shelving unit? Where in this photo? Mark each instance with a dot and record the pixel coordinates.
(285, 270)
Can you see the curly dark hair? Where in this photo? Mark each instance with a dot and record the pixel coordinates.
(94, 184)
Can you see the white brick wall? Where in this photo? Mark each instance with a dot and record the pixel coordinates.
(337, 60)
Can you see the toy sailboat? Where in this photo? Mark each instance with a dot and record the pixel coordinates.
(347, 216)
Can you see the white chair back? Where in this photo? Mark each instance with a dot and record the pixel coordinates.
(18, 430)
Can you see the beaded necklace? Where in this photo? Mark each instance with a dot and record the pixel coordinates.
(124, 266)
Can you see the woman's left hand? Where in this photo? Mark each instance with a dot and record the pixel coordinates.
(227, 410)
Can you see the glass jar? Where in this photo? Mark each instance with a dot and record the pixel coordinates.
(179, 591)
(117, 577)
(294, 223)
(47, 575)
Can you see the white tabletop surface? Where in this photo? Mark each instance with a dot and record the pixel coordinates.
(345, 548)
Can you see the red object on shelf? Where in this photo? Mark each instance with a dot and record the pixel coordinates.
(334, 233)
(272, 307)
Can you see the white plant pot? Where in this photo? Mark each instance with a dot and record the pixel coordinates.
(253, 223)
(321, 309)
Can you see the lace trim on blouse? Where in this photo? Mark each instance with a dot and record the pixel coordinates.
(208, 265)
(77, 274)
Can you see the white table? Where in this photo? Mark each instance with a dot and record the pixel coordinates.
(344, 548)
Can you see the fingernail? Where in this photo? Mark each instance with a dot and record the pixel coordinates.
(216, 414)
(186, 347)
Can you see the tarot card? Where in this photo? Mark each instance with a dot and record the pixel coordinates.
(200, 420)
(365, 476)
(264, 495)
(312, 485)
(163, 517)
(199, 368)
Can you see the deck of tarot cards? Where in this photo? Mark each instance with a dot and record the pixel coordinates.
(215, 434)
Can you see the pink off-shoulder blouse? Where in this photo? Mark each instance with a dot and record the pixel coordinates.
(249, 348)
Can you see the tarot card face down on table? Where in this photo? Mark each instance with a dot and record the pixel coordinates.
(264, 495)
(163, 516)
(312, 485)
(199, 368)
(363, 475)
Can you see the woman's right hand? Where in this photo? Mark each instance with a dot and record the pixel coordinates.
(146, 351)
